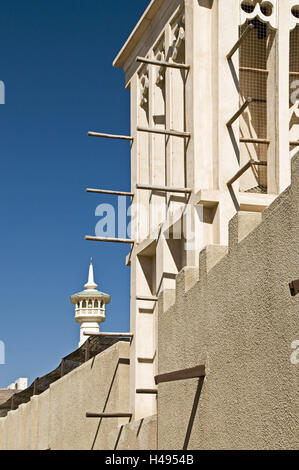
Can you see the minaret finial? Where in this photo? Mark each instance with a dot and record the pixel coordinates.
(90, 283)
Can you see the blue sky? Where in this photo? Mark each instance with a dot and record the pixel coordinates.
(56, 65)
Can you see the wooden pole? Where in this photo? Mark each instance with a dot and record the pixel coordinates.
(147, 391)
(252, 69)
(106, 191)
(239, 173)
(258, 100)
(164, 132)
(12, 402)
(150, 299)
(239, 112)
(111, 240)
(118, 335)
(109, 136)
(173, 65)
(192, 373)
(108, 415)
(164, 188)
(239, 42)
(254, 162)
(35, 386)
(87, 349)
(255, 141)
(62, 368)
(245, 168)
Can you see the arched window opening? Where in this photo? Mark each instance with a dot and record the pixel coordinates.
(256, 65)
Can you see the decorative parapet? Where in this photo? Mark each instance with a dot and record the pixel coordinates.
(266, 11)
(294, 13)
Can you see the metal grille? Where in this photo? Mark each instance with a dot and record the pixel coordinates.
(255, 67)
(294, 86)
(254, 72)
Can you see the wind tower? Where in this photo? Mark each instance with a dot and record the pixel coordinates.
(214, 125)
(90, 307)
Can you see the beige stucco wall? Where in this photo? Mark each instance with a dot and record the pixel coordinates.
(240, 320)
(139, 435)
(56, 418)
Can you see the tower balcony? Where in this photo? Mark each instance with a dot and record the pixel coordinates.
(94, 314)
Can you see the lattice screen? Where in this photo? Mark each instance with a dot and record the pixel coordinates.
(254, 73)
(294, 83)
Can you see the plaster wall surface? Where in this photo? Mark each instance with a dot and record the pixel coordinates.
(56, 418)
(139, 435)
(5, 394)
(240, 320)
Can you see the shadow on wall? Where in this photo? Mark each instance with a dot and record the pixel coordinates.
(118, 437)
(121, 361)
(206, 3)
(121, 430)
(193, 413)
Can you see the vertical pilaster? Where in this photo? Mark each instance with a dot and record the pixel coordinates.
(142, 150)
(279, 166)
(134, 233)
(226, 18)
(199, 99)
(165, 271)
(145, 404)
(199, 113)
(157, 145)
(227, 90)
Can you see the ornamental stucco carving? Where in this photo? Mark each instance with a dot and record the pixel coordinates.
(178, 31)
(266, 11)
(294, 13)
(160, 55)
(144, 86)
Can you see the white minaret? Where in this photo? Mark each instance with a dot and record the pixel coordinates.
(90, 307)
